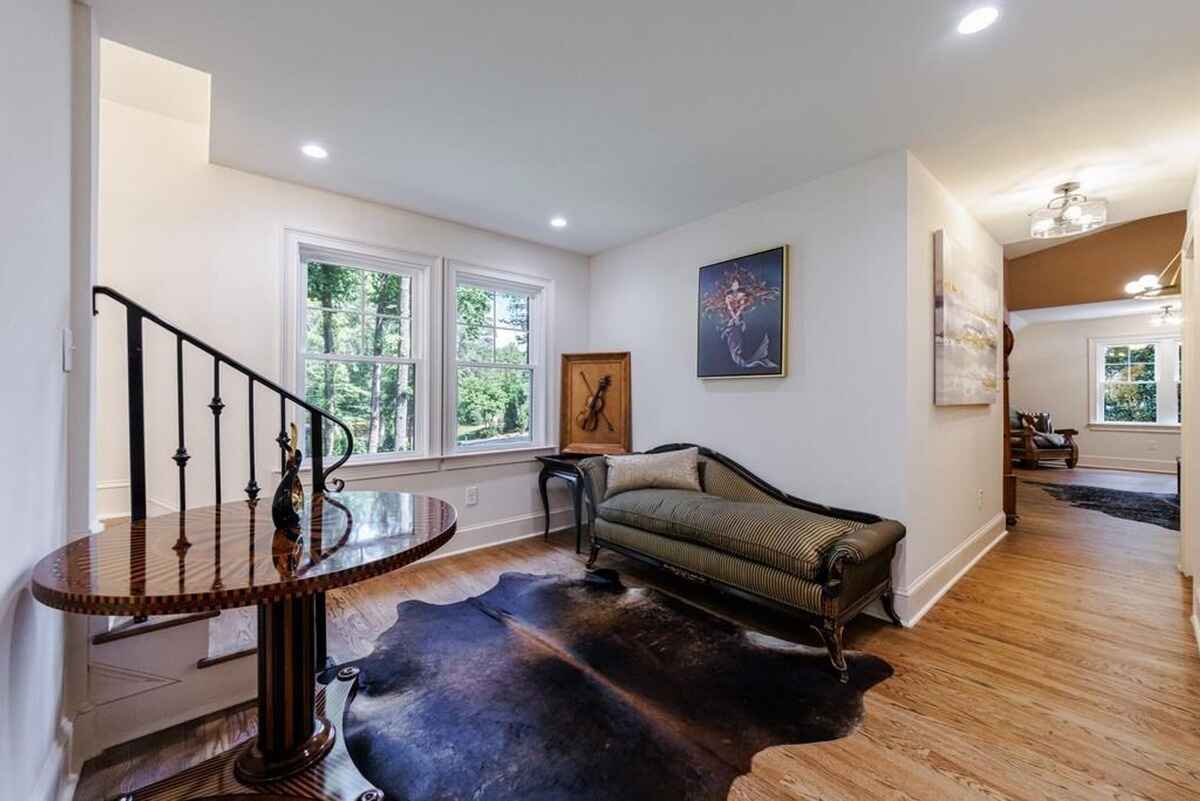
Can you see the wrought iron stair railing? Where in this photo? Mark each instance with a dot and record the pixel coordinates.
(136, 315)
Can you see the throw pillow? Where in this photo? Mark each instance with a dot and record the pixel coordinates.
(671, 470)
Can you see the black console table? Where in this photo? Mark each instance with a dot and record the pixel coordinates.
(564, 466)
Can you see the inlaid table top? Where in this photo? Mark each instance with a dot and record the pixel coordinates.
(232, 555)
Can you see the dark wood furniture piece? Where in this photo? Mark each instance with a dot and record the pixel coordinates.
(229, 556)
(837, 562)
(1030, 445)
(563, 466)
(1010, 478)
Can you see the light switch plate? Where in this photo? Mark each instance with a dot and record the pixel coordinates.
(68, 350)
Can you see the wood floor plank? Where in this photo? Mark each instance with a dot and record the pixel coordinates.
(1062, 667)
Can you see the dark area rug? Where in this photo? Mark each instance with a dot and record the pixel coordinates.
(547, 687)
(1144, 507)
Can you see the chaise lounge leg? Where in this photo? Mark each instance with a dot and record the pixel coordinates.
(831, 634)
(888, 599)
(591, 560)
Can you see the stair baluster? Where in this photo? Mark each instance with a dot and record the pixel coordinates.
(181, 455)
(252, 488)
(217, 406)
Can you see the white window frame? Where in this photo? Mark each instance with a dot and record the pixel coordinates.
(541, 307)
(1166, 367)
(302, 247)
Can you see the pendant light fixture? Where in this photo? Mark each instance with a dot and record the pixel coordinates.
(1157, 287)
(1068, 213)
(1167, 317)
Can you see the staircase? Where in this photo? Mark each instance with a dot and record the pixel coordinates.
(227, 632)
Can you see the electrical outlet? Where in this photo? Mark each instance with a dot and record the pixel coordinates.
(472, 496)
(979, 499)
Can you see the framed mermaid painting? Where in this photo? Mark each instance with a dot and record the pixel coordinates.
(742, 317)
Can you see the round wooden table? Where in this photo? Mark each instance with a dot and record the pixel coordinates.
(232, 555)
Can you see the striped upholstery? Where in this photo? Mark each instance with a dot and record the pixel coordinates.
(720, 480)
(749, 576)
(776, 535)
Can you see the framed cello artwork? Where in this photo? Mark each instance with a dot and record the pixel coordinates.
(595, 415)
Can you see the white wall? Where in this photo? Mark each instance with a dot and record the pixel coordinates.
(1048, 371)
(202, 245)
(853, 423)
(1190, 558)
(35, 206)
(954, 501)
(824, 431)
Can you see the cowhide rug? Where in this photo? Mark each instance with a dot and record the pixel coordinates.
(547, 687)
(1159, 509)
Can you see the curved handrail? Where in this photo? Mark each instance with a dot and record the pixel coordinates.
(221, 358)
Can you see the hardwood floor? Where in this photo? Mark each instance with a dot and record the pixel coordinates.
(1063, 666)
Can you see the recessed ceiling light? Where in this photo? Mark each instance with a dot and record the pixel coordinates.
(978, 19)
(558, 222)
(314, 151)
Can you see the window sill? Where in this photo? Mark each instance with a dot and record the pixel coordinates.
(399, 466)
(1136, 428)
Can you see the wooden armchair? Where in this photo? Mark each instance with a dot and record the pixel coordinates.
(1034, 440)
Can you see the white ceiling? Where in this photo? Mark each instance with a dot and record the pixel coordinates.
(1089, 311)
(631, 117)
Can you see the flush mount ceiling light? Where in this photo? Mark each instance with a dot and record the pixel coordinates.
(1168, 316)
(314, 151)
(558, 222)
(1158, 287)
(1067, 214)
(978, 19)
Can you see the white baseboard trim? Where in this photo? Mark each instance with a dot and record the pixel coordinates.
(505, 530)
(1123, 463)
(1196, 610)
(66, 790)
(112, 501)
(54, 776)
(914, 601)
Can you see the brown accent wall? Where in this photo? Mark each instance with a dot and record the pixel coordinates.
(1094, 268)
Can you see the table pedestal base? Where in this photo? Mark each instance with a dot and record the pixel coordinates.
(334, 777)
(291, 737)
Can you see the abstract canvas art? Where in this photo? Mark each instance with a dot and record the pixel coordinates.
(742, 317)
(966, 326)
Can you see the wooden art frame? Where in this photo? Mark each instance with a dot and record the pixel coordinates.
(588, 427)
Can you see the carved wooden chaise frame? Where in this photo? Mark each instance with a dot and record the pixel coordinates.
(856, 569)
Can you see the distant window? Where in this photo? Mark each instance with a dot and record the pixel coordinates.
(1137, 381)
(357, 354)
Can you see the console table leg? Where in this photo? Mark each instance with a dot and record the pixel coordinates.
(543, 477)
(577, 497)
(291, 737)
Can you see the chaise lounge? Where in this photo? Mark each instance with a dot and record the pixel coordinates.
(748, 538)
